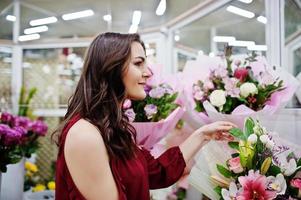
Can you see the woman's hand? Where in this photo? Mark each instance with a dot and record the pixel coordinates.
(217, 131)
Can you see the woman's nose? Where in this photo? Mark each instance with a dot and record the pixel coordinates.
(147, 72)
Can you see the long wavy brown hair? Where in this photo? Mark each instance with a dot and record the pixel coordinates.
(100, 93)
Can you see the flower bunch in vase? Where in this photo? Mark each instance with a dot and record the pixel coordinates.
(18, 138)
(259, 168)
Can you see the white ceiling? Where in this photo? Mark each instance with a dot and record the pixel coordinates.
(121, 11)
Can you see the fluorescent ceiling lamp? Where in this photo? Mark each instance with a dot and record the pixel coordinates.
(76, 15)
(38, 22)
(136, 17)
(133, 28)
(223, 38)
(241, 43)
(246, 1)
(177, 38)
(10, 18)
(37, 29)
(262, 19)
(161, 8)
(258, 47)
(107, 18)
(23, 38)
(241, 12)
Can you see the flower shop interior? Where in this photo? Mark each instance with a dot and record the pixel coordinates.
(42, 49)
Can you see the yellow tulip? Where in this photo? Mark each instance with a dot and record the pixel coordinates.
(38, 188)
(51, 185)
(265, 165)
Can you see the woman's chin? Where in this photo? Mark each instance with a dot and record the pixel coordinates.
(138, 97)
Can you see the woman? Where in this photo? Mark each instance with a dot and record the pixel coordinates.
(98, 157)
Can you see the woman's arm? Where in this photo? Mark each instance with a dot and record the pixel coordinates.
(88, 162)
(214, 131)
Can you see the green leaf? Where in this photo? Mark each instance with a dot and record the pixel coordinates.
(234, 145)
(234, 155)
(273, 170)
(236, 132)
(249, 125)
(299, 162)
(218, 190)
(224, 171)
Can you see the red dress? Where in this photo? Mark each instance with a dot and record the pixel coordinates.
(133, 178)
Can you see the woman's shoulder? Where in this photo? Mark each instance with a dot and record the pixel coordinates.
(83, 136)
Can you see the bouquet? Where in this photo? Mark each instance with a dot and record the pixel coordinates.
(227, 89)
(157, 114)
(259, 168)
(18, 138)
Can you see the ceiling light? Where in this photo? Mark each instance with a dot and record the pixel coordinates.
(136, 17)
(241, 43)
(223, 38)
(23, 38)
(258, 47)
(246, 1)
(211, 54)
(37, 29)
(133, 28)
(240, 11)
(43, 21)
(262, 19)
(107, 18)
(76, 15)
(177, 38)
(161, 8)
(10, 18)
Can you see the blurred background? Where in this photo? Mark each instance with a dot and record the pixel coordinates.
(43, 43)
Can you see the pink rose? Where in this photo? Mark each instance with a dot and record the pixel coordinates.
(234, 165)
(241, 74)
(296, 182)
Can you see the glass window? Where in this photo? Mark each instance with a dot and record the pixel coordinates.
(292, 23)
(199, 36)
(55, 73)
(5, 78)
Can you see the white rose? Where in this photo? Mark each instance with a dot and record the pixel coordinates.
(247, 89)
(252, 138)
(264, 139)
(218, 98)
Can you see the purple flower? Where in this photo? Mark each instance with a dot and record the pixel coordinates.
(6, 117)
(231, 87)
(130, 114)
(167, 89)
(147, 88)
(150, 110)
(21, 121)
(220, 72)
(127, 104)
(199, 96)
(157, 92)
(21, 130)
(266, 78)
(208, 84)
(3, 129)
(39, 127)
(11, 136)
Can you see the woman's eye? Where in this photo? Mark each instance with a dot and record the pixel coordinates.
(138, 63)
